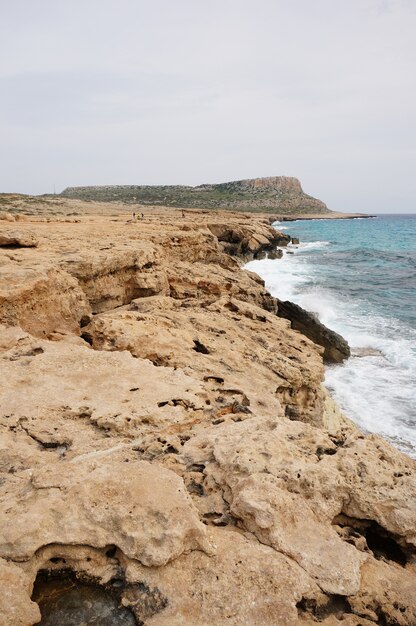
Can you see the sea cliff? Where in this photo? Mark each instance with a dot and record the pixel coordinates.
(166, 437)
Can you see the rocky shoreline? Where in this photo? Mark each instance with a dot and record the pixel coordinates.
(167, 444)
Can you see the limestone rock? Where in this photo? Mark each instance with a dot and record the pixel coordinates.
(16, 607)
(112, 279)
(182, 335)
(110, 391)
(7, 217)
(246, 241)
(40, 301)
(285, 522)
(275, 254)
(242, 583)
(387, 593)
(166, 435)
(140, 508)
(22, 239)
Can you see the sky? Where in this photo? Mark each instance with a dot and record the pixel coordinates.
(97, 92)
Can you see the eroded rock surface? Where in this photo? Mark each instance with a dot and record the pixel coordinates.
(167, 446)
(18, 239)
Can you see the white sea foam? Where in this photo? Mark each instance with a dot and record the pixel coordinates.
(310, 245)
(377, 391)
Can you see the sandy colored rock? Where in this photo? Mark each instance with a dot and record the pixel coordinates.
(7, 217)
(387, 592)
(176, 335)
(110, 391)
(167, 436)
(242, 583)
(23, 239)
(41, 301)
(16, 607)
(285, 522)
(140, 508)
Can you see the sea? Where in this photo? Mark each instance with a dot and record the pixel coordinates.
(359, 277)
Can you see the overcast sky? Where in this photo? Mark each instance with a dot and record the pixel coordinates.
(190, 91)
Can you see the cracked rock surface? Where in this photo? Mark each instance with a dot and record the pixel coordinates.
(168, 454)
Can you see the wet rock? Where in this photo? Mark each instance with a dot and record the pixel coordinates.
(336, 349)
(69, 602)
(364, 352)
(282, 239)
(275, 254)
(247, 241)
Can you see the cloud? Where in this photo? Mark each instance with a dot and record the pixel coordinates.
(190, 92)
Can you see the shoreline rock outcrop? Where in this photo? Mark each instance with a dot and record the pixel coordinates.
(336, 348)
(166, 440)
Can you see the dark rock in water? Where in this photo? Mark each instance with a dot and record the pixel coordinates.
(282, 240)
(275, 254)
(295, 240)
(336, 349)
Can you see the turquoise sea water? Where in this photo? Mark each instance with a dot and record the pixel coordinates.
(359, 276)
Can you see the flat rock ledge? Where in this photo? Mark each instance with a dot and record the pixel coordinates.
(168, 454)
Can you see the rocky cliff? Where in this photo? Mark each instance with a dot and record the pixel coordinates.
(277, 193)
(168, 454)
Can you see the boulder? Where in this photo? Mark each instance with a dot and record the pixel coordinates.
(275, 254)
(336, 348)
(18, 238)
(282, 240)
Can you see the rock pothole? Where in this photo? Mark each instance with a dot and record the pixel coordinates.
(330, 606)
(368, 535)
(68, 599)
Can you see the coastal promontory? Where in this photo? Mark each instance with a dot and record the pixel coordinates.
(271, 194)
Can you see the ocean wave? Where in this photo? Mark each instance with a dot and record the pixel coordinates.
(348, 290)
(311, 245)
